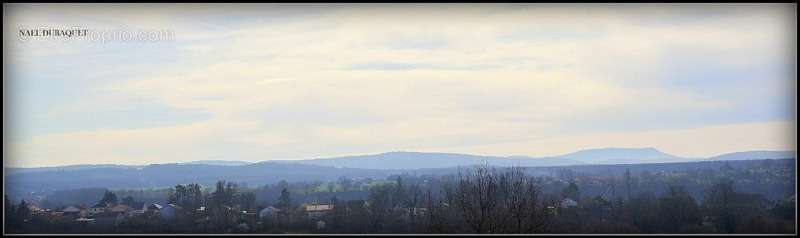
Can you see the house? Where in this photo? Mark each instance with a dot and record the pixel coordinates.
(84, 220)
(268, 213)
(137, 206)
(152, 208)
(568, 203)
(136, 213)
(317, 211)
(552, 210)
(35, 209)
(98, 208)
(411, 213)
(419, 211)
(72, 211)
(120, 209)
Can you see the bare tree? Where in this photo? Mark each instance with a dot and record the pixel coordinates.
(409, 195)
(477, 199)
(495, 202)
(380, 206)
(523, 202)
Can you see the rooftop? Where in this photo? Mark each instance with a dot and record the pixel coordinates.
(321, 207)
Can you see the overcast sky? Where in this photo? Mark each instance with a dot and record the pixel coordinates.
(263, 82)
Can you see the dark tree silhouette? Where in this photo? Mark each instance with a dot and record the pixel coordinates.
(571, 191)
(108, 198)
(477, 199)
(285, 200)
(718, 202)
(678, 209)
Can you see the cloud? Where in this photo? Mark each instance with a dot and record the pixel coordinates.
(388, 66)
(695, 142)
(330, 80)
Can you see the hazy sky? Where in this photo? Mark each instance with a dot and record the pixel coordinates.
(262, 82)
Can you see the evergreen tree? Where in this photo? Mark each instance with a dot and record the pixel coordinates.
(108, 198)
(284, 201)
(571, 191)
(218, 196)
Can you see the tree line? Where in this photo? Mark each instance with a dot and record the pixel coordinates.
(481, 200)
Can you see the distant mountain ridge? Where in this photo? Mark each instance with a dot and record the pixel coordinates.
(161, 175)
(76, 167)
(27, 180)
(219, 162)
(624, 156)
(428, 160)
(755, 154)
(257, 174)
(97, 166)
(421, 160)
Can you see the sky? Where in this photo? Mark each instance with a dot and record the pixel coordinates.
(257, 82)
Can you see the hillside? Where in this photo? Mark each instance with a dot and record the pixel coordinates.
(423, 160)
(758, 154)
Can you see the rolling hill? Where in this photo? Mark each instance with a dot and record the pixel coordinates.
(623, 156)
(756, 154)
(424, 160)
(26, 180)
